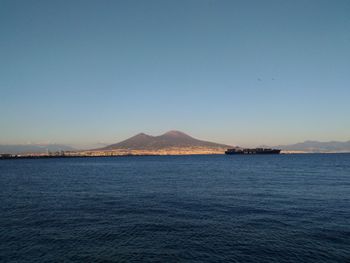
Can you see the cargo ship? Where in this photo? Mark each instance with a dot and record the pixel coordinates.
(252, 151)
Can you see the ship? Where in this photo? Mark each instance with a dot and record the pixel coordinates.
(252, 151)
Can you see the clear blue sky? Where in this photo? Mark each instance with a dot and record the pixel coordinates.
(238, 72)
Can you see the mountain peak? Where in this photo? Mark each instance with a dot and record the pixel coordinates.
(141, 134)
(176, 133)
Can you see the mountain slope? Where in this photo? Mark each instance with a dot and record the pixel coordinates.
(167, 140)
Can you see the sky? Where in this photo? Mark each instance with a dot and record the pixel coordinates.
(236, 72)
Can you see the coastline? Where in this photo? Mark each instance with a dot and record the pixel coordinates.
(65, 156)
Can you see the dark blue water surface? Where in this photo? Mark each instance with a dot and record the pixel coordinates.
(278, 208)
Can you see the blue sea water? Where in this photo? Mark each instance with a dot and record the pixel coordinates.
(277, 208)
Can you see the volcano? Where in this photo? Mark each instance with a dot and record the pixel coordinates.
(169, 141)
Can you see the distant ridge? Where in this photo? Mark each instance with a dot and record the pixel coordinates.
(170, 139)
(317, 147)
(33, 148)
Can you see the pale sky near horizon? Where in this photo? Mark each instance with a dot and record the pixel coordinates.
(236, 72)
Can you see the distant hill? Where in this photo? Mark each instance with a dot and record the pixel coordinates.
(171, 139)
(34, 148)
(316, 146)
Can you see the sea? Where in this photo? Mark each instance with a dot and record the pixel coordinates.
(205, 208)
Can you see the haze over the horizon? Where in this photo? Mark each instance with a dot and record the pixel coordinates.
(234, 72)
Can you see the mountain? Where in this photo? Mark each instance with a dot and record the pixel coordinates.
(34, 148)
(316, 146)
(168, 142)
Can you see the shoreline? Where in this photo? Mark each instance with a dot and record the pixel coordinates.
(18, 157)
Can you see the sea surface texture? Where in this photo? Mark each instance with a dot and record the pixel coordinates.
(277, 208)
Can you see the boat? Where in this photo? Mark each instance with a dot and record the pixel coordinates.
(252, 151)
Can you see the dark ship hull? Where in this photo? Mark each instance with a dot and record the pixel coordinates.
(253, 151)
